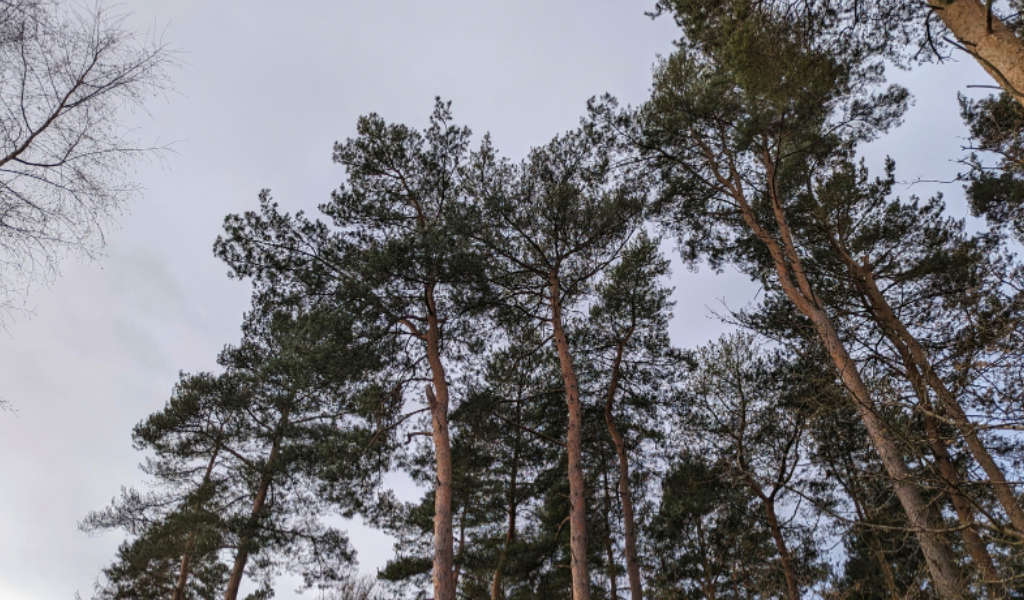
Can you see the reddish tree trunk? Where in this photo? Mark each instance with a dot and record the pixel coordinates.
(574, 446)
(965, 514)
(792, 588)
(996, 48)
(912, 352)
(793, 280)
(625, 496)
(438, 400)
(238, 570)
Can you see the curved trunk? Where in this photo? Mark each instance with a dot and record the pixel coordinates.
(574, 447)
(913, 353)
(997, 49)
(625, 496)
(437, 400)
(795, 284)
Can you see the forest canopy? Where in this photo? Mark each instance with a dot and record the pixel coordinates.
(498, 331)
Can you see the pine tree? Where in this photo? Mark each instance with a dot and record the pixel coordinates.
(740, 122)
(393, 257)
(552, 225)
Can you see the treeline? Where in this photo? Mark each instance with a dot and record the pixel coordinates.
(498, 331)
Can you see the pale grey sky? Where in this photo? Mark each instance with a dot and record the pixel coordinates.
(266, 90)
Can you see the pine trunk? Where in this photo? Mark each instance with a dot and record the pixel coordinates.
(911, 351)
(437, 400)
(609, 546)
(996, 48)
(179, 587)
(793, 280)
(625, 496)
(965, 514)
(574, 447)
(792, 588)
(238, 570)
(186, 557)
(497, 590)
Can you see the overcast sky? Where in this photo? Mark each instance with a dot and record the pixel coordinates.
(266, 89)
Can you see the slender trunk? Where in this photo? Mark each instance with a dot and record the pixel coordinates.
(574, 447)
(912, 350)
(609, 549)
(497, 591)
(792, 588)
(944, 573)
(965, 514)
(625, 496)
(245, 543)
(941, 566)
(437, 400)
(976, 547)
(462, 544)
(883, 564)
(985, 37)
(179, 587)
(186, 557)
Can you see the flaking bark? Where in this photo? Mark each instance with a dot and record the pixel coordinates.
(985, 37)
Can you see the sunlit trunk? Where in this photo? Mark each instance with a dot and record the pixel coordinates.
(996, 48)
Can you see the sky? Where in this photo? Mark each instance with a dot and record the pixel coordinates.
(264, 91)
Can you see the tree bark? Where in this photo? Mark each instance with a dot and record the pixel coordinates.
(884, 316)
(795, 284)
(792, 588)
(988, 40)
(574, 447)
(238, 570)
(976, 547)
(179, 587)
(911, 350)
(625, 496)
(437, 401)
(965, 514)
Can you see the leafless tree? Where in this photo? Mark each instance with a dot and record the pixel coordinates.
(67, 72)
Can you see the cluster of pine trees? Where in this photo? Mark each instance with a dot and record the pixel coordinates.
(498, 332)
